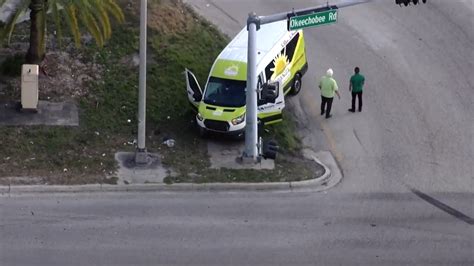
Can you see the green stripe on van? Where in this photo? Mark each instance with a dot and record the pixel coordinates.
(228, 69)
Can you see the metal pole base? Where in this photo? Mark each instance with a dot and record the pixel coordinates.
(141, 157)
(244, 159)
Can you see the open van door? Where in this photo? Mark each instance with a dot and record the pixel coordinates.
(271, 103)
(193, 89)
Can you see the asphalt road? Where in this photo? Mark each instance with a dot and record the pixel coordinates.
(231, 229)
(407, 193)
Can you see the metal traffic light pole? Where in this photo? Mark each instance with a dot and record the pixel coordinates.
(254, 22)
(251, 127)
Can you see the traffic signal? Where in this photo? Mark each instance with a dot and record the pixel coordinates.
(269, 149)
(407, 2)
(269, 92)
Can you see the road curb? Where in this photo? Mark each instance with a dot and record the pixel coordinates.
(317, 184)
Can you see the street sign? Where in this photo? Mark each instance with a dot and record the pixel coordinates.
(312, 20)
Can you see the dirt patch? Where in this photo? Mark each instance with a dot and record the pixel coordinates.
(170, 17)
(63, 77)
(166, 16)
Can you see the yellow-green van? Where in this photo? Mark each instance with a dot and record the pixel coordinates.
(281, 57)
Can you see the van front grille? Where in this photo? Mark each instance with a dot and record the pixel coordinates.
(217, 125)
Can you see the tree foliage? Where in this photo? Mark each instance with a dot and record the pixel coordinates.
(75, 15)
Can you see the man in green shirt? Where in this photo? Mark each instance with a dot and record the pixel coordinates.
(356, 85)
(328, 87)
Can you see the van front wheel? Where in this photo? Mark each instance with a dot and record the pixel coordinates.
(296, 88)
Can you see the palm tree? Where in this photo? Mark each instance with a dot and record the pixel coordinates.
(93, 15)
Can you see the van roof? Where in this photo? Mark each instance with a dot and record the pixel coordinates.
(267, 37)
(232, 61)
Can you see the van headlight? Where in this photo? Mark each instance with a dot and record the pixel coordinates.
(238, 120)
(199, 117)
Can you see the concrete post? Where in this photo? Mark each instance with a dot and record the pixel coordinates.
(141, 153)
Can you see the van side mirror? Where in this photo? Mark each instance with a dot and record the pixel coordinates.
(197, 97)
(269, 92)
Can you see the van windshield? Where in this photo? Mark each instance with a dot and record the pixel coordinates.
(225, 92)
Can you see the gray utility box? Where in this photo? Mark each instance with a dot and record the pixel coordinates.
(29, 87)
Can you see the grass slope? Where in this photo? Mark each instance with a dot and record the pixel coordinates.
(177, 39)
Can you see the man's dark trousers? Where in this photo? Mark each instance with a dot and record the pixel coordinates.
(325, 101)
(359, 95)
